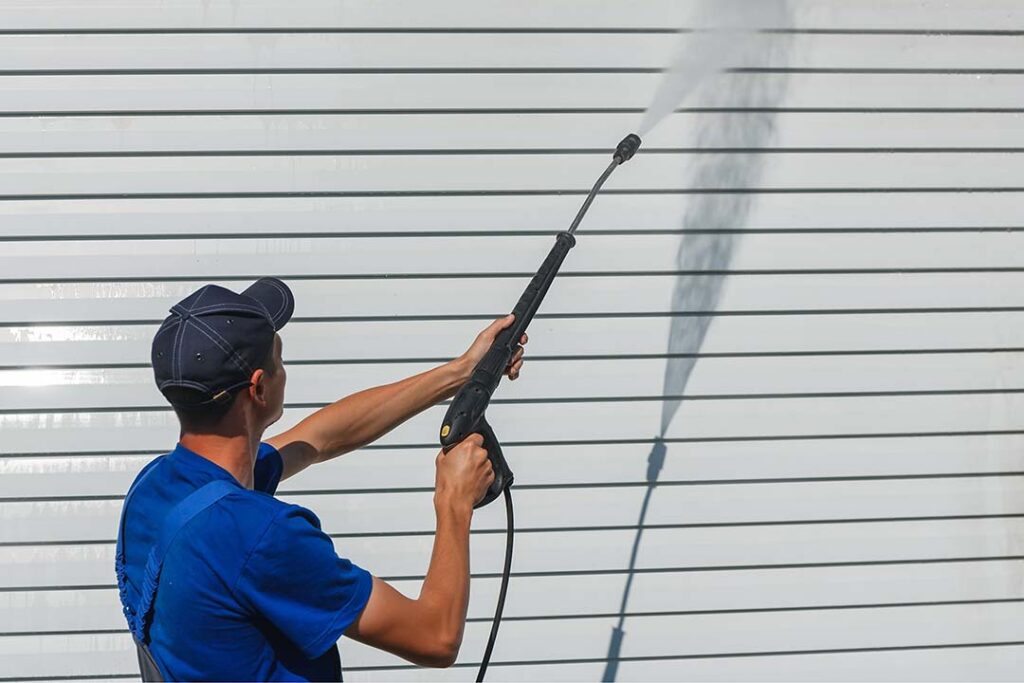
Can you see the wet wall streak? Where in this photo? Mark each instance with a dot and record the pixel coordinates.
(714, 251)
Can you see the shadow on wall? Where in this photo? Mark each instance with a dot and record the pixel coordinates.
(712, 248)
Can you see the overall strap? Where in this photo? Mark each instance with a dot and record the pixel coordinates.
(139, 610)
(129, 596)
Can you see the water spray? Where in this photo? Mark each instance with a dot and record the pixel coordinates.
(465, 414)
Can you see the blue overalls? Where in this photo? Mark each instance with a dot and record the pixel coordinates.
(294, 591)
(138, 606)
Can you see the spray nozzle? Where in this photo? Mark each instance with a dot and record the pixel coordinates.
(627, 148)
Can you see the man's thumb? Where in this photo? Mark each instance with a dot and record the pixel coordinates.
(501, 323)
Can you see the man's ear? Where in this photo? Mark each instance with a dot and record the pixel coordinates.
(257, 387)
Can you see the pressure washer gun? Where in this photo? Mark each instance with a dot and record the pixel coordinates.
(465, 415)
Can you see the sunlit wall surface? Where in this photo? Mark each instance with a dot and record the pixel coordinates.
(787, 347)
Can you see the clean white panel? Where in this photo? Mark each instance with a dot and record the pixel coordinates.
(458, 91)
(111, 344)
(466, 132)
(916, 14)
(412, 215)
(625, 293)
(746, 633)
(984, 663)
(997, 663)
(484, 173)
(467, 51)
(518, 256)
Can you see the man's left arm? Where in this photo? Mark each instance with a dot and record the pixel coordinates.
(363, 417)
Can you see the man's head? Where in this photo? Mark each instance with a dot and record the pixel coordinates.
(217, 356)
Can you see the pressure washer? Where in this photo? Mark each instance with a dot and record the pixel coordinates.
(466, 413)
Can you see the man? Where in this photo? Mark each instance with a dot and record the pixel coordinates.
(219, 579)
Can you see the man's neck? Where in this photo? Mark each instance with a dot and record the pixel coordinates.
(234, 453)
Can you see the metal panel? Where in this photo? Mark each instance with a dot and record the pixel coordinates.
(843, 480)
(354, 14)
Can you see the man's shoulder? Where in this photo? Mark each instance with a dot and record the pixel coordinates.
(239, 517)
(243, 513)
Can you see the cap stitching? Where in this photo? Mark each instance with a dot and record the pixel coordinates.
(284, 298)
(227, 308)
(188, 384)
(183, 383)
(265, 310)
(175, 348)
(222, 344)
(202, 293)
(164, 328)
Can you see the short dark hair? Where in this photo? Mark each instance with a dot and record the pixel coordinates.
(204, 418)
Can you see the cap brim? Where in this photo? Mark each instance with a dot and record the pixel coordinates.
(274, 295)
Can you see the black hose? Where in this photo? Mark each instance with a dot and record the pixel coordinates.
(509, 534)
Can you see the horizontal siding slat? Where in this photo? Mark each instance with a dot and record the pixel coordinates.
(457, 91)
(560, 595)
(516, 256)
(84, 344)
(43, 390)
(467, 50)
(952, 664)
(598, 550)
(340, 216)
(728, 633)
(378, 512)
(626, 293)
(927, 14)
(88, 431)
(110, 475)
(25, 178)
(467, 132)
(999, 663)
(64, 655)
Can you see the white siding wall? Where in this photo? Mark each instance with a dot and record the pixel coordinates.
(843, 488)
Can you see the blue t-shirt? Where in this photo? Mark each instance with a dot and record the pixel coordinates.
(252, 589)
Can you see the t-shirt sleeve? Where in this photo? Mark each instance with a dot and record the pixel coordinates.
(295, 580)
(268, 469)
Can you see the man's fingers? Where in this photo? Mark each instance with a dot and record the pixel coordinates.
(500, 324)
(516, 364)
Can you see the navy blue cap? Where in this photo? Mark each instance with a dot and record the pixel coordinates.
(214, 339)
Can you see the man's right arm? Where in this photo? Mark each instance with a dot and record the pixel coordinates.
(428, 631)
